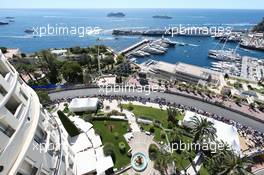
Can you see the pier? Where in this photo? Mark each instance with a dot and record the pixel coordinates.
(134, 47)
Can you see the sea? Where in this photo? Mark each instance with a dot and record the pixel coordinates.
(13, 35)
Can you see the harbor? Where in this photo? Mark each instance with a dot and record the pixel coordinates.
(147, 48)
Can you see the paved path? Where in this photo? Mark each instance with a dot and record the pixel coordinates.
(171, 98)
(132, 121)
(140, 143)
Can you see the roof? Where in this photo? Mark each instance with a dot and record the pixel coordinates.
(83, 104)
(192, 70)
(224, 132)
(81, 124)
(80, 143)
(165, 67)
(59, 51)
(95, 139)
(104, 164)
(86, 162)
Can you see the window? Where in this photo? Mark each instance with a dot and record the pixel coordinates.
(2, 90)
(6, 129)
(23, 94)
(40, 135)
(12, 105)
(3, 70)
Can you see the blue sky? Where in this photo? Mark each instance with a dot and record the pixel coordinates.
(216, 4)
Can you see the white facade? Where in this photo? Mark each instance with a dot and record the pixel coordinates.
(31, 140)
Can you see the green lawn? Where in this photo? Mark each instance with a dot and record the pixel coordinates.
(157, 133)
(151, 113)
(107, 135)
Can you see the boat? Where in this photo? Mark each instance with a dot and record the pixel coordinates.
(168, 41)
(156, 46)
(10, 17)
(117, 15)
(29, 31)
(224, 55)
(4, 23)
(152, 50)
(11, 20)
(133, 59)
(162, 17)
(140, 53)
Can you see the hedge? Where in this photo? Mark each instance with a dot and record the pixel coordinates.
(68, 125)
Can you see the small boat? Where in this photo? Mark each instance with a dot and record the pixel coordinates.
(4, 23)
(29, 31)
(10, 17)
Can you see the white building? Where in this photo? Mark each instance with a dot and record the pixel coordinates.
(34, 142)
(31, 141)
(184, 72)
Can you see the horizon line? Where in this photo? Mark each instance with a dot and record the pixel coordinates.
(120, 8)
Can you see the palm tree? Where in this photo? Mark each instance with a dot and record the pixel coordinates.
(162, 162)
(229, 163)
(202, 128)
(172, 113)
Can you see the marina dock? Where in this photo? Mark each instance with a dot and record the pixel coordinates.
(148, 47)
(134, 47)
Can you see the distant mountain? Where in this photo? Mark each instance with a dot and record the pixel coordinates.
(162, 17)
(118, 14)
(259, 27)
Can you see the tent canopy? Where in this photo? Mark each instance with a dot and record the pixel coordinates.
(83, 104)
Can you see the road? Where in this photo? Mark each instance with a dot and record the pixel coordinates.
(170, 98)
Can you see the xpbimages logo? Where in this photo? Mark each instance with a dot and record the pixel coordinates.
(213, 147)
(146, 90)
(60, 30)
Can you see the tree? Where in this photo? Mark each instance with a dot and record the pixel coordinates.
(153, 151)
(227, 162)
(68, 124)
(130, 107)
(43, 97)
(120, 59)
(3, 49)
(202, 129)
(27, 69)
(49, 65)
(71, 71)
(259, 27)
(172, 113)
(109, 151)
(122, 147)
(162, 162)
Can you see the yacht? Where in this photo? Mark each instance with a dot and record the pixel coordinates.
(152, 50)
(224, 55)
(29, 31)
(4, 23)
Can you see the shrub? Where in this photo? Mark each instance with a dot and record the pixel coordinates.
(122, 147)
(152, 129)
(116, 135)
(153, 152)
(115, 113)
(163, 135)
(68, 125)
(130, 107)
